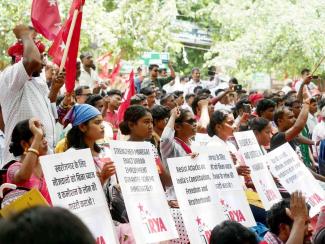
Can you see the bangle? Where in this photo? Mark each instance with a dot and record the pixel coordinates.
(32, 150)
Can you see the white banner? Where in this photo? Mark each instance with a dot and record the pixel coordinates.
(231, 194)
(260, 174)
(295, 176)
(197, 196)
(144, 197)
(73, 184)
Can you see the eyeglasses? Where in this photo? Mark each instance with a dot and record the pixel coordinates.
(190, 121)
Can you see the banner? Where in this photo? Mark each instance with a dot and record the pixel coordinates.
(197, 196)
(260, 174)
(286, 165)
(73, 184)
(143, 194)
(230, 190)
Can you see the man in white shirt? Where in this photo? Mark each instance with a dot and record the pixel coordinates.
(319, 132)
(195, 81)
(309, 87)
(24, 94)
(88, 76)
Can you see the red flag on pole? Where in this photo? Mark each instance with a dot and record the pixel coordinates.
(45, 17)
(64, 49)
(130, 92)
(115, 71)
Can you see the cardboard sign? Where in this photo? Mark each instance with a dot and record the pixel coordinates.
(260, 174)
(29, 199)
(144, 197)
(286, 165)
(73, 184)
(197, 196)
(230, 191)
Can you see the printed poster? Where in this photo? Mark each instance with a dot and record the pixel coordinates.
(286, 165)
(260, 174)
(197, 196)
(73, 184)
(144, 197)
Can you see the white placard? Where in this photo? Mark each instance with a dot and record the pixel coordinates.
(294, 176)
(197, 196)
(230, 191)
(260, 174)
(73, 184)
(144, 197)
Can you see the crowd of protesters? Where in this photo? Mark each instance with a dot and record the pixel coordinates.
(38, 118)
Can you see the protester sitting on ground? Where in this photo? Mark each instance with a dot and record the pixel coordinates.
(139, 99)
(231, 232)
(87, 128)
(28, 142)
(151, 95)
(40, 225)
(24, 93)
(262, 130)
(289, 221)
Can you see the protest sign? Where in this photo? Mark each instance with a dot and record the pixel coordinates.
(197, 196)
(260, 174)
(144, 197)
(230, 190)
(73, 184)
(286, 165)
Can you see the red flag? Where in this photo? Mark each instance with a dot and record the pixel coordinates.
(46, 18)
(57, 49)
(103, 63)
(130, 92)
(115, 72)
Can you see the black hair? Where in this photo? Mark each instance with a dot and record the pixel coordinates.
(289, 94)
(277, 215)
(289, 103)
(20, 133)
(231, 232)
(263, 105)
(159, 112)
(44, 225)
(178, 93)
(189, 95)
(78, 90)
(258, 124)
(91, 100)
(165, 98)
(137, 99)
(75, 138)
(217, 118)
(312, 100)
(132, 114)
(277, 100)
(183, 78)
(321, 104)
(218, 91)
(182, 115)
(196, 101)
(240, 104)
(197, 89)
(278, 114)
(195, 69)
(151, 66)
(204, 91)
(113, 92)
(147, 91)
(233, 80)
(304, 71)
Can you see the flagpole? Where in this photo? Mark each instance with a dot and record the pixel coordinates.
(67, 45)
